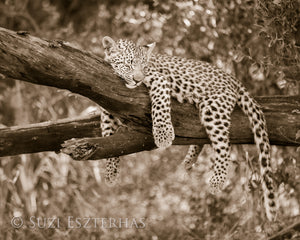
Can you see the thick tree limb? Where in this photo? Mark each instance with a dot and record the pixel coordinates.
(49, 136)
(46, 136)
(58, 65)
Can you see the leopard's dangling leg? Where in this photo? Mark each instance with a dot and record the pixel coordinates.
(112, 171)
(215, 117)
(192, 156)
(110, 124)
(162, 127)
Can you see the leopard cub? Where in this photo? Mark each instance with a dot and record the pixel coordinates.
(214, 92)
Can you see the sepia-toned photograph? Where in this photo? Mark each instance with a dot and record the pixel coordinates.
(152, 119)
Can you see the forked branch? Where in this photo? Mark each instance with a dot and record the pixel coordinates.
(59, 65)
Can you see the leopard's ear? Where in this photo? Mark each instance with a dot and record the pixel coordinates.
(108, 42)
(150, 48)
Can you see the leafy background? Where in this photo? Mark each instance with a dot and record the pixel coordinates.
(256, 40)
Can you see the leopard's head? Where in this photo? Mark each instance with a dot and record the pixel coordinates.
(127, 59)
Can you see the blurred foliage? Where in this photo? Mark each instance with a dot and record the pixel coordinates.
(257, 41)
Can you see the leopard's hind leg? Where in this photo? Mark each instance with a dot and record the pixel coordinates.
(215, 114)
(191, 156)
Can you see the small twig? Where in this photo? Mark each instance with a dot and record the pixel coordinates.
(292, 227)
(287, 138)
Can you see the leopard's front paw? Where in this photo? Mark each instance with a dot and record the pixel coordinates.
(216, 184)
(112, 171)
(163, 135)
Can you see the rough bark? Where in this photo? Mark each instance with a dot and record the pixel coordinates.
(59, 65)
(46, 136)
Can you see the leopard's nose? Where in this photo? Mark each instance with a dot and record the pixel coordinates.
(138, 76)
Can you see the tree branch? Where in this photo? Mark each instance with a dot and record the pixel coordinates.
(49, 136)
(46, 136)
(56, 64)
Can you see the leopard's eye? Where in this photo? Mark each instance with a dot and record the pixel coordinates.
(145, 69)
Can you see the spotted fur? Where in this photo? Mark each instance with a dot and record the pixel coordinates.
(109, 125)
(83, 149)
(214, 92)
(191, 157)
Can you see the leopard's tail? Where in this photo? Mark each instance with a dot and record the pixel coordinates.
(258, 124)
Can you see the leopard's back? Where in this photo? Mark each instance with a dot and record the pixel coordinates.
(191, 80)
